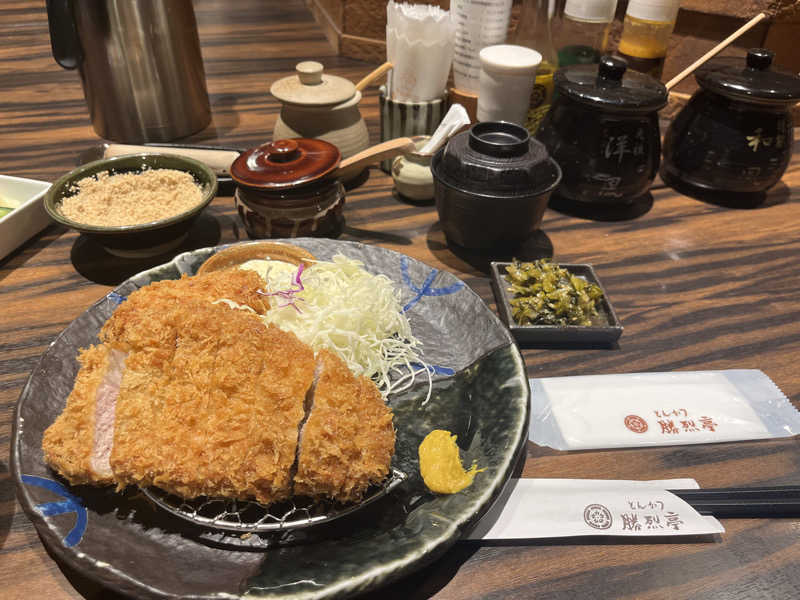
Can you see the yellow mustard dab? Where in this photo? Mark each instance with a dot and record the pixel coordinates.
(440, 464)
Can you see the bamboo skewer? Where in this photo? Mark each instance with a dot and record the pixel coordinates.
(715, 50)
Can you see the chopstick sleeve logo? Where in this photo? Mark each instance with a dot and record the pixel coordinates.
(597, 516)
(636, 423)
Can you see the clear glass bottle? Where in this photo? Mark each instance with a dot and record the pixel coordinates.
(533, 31)
(646, 30)
(582, 31)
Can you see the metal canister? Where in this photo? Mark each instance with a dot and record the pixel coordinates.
(140, 65)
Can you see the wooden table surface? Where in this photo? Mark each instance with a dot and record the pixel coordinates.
(696, 285)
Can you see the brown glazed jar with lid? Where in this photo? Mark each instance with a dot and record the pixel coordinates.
(289, 188)
(602, 129)
(733, 140)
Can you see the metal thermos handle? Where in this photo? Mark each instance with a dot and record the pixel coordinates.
(63, 37)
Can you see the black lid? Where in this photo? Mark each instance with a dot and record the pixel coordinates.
(610, 86)
(751, 79)
(498, 159)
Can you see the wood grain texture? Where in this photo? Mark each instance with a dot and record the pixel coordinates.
(697, 286)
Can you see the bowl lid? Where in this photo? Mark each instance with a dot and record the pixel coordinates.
(309, 86)
(611, 86)
(498, 159)
(285, 163)
(751, 79)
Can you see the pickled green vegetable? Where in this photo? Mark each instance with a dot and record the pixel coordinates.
(546, 294)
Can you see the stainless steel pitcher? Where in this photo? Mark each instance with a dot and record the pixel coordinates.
(140, 65)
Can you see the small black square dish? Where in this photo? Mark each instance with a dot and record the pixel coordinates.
(603, 332)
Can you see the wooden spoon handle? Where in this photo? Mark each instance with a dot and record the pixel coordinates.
(373, 76)
(375, 154)
(218, 160)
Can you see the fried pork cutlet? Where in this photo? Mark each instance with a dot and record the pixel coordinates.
(69, 443)
(87, 421)
(348, 440)
(138, 321)
(218, 419)
(198, 398)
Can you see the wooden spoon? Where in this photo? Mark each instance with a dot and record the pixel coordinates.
(375, 154)
(353, 165)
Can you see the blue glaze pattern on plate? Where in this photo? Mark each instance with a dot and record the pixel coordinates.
(481, 394)
(426, 289)
(70, 504)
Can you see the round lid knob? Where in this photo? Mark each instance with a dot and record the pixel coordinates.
(759, 58)
(309, 72)
(611, 69)
(281, 151)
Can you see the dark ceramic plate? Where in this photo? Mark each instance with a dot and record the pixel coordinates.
(480, 393)
(605, 331)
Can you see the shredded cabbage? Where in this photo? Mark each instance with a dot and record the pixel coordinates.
(340, 306)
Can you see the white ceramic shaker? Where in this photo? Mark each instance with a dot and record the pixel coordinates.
(506, 82)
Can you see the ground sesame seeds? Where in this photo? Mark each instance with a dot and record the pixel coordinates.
(108, 200)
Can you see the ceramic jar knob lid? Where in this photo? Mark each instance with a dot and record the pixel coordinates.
(610, 70)
(309, 72)
(311, 86)
(610, 86)
(752, 80)
(285, 163)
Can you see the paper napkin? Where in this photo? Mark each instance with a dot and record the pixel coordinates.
(555, 508)
(657, 409)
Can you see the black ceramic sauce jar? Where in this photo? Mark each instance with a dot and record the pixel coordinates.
(734, 137)
(602, 129)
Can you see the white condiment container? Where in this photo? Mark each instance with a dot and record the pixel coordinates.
(506, 82)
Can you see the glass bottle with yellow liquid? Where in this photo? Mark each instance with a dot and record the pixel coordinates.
(533, 31)
(645, 34)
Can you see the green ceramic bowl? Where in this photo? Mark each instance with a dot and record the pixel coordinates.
(135, 241)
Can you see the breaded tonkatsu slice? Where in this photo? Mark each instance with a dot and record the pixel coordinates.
(220, 416)
(69, 443)
(133, 324)
(348, 440)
